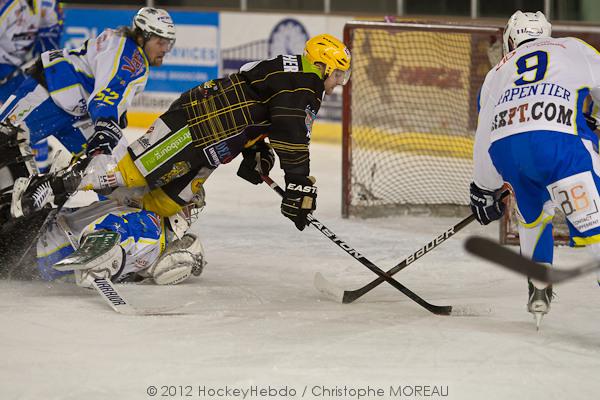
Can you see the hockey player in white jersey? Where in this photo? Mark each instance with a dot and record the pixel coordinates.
(532, 134)
(27, 29)
(81, 96)
(115, 240)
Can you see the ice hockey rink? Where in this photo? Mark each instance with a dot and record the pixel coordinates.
(258, 323)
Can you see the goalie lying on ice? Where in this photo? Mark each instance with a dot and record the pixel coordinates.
(125, 244)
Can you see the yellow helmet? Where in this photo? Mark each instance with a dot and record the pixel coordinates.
(330, 51)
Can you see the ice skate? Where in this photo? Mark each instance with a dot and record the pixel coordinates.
(539, 302)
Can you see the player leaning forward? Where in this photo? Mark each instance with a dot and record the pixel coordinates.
(214, 122)
(532, 134)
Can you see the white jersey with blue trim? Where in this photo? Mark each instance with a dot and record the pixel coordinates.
(540, 86)
(20, 22)
(101, 77)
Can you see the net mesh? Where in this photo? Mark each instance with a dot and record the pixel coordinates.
(412, 116)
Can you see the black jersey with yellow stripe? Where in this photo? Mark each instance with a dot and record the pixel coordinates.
(212, 123)
(291, 89)
(278, 98)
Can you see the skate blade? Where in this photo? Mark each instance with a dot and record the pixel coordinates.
(537, 316)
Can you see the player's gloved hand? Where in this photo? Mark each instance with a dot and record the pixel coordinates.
(300, 199)
(487, 205)
(105, 138)
(258, 160)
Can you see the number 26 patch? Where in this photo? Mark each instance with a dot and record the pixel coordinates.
(578, 198)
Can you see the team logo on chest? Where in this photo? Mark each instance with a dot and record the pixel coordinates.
(308, 121)
(134, 64)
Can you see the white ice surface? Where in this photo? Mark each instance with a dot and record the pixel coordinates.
(258, 320)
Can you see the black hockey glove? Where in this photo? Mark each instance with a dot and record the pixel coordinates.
(258, 160)
(105, 138)
(300, 199)
(487, 205)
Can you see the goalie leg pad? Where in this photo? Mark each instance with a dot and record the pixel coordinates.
(99, 256)
(182, 258)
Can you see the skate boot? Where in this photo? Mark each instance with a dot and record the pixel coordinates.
(30, 195)
(36, 192)
(539, 302)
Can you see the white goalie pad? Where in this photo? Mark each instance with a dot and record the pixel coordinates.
(99, 256)
(182, 258)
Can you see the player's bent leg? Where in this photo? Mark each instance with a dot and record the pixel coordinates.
(535, 237)
(537, 243)
(101, 174)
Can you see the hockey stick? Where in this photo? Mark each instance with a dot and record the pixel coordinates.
(496, 253)
(439, 310)
(349, 296)
(113, 298)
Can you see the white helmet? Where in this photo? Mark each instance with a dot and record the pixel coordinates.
(155, 21)
(524, 26)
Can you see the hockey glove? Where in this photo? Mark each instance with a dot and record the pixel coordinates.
(487, 205)
(258, 160)
(299, 199)
(105, 138)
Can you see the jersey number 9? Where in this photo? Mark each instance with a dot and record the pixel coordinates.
(536, 61)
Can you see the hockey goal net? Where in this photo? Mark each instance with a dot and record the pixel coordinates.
(410, 114)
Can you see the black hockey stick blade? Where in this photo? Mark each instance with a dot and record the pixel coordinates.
(496, 253)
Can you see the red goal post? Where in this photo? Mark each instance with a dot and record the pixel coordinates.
(409, 116)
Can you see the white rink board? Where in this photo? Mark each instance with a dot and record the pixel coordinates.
(258, 320)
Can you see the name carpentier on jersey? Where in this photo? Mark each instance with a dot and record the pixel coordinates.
(548, 109)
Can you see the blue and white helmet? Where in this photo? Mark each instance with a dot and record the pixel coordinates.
(525, 26)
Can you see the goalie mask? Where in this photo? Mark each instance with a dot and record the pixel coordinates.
(522, 27)
(331, 52)
(179, 223)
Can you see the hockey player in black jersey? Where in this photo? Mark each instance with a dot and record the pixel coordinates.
(213, 123)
